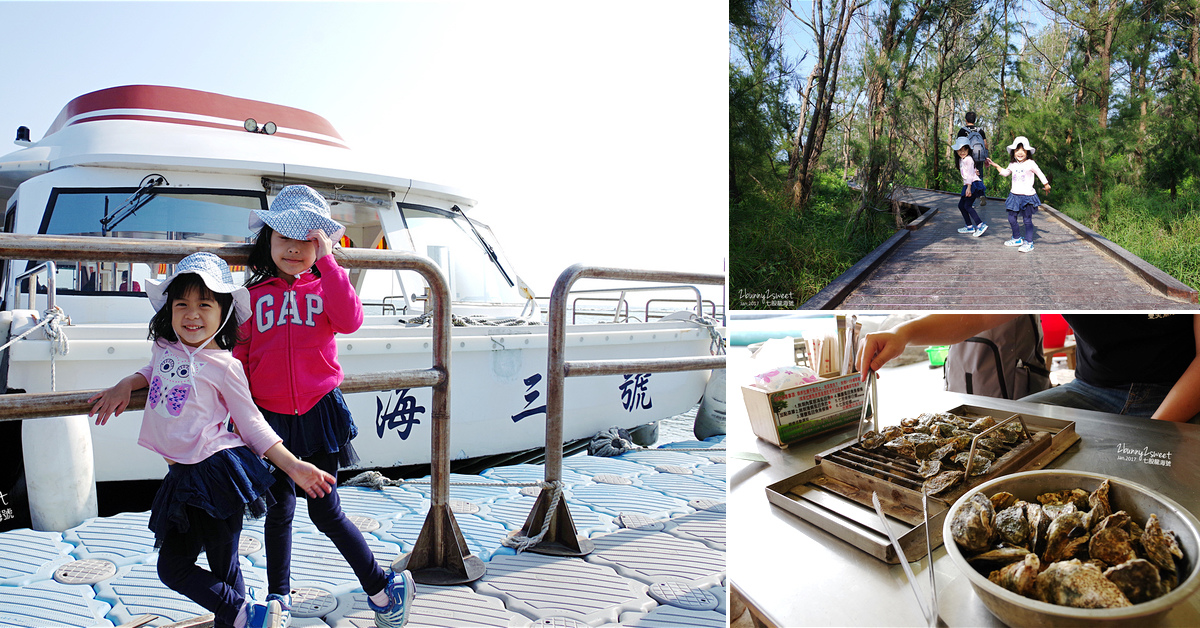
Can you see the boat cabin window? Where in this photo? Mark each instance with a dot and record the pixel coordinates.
(196, 215)
(448, 240)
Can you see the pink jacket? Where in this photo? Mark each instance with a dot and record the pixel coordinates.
(188, 403)
(288, 349)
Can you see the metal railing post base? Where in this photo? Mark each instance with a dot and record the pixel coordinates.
(441, 559)
(561, 538)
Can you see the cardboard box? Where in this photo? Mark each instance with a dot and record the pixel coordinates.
(785, 416)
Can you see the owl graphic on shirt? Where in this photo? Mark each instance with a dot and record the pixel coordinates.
(171, 385)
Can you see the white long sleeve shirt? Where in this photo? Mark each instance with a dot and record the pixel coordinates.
(966, 167)
(1022, 176)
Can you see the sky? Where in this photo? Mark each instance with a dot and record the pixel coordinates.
(588, 132)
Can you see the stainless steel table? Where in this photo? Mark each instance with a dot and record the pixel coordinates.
(792, 573)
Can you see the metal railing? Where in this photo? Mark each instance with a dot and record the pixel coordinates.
(712, 306)
(624, 290)
(550, 520)
(440, 555)
(28, 279)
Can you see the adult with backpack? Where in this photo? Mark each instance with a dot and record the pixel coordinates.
(976, 140)
(1142, 365)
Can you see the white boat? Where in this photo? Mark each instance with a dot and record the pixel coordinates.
(179, 164)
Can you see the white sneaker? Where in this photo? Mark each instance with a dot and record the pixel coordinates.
(401, 588)
(1014, 242)
(966, 229)
(1027, 247)
(980, 229)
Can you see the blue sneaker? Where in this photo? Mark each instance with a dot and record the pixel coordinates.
(401, 588)
(966, 229)
(1014, 242)
(980, 229)
(285, 608)
(259, 615)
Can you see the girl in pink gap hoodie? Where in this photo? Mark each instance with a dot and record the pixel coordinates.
(301, 298)
(197, 395)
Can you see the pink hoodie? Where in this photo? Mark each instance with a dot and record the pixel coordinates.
(289, 353)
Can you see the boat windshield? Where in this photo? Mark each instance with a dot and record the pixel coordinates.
(461, 254)
(199, 215)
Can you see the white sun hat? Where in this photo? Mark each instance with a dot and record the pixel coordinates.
(961, 142)
(1023, 141)
(215, 273)
(297, 210)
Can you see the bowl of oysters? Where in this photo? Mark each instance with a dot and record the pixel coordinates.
(1071, 548)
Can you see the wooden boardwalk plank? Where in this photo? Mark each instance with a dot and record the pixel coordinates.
(1070, 268)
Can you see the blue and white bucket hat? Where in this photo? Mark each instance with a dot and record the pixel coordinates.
(215, 273)
(297, 210)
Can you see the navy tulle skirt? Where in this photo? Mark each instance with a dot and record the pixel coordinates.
(228, 482)
(1017, 202)
(325, 429)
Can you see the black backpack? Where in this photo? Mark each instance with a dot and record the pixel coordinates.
(1005, 362)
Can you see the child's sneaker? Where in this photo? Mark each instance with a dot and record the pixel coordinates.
(400, 590)
(259, 615)
(1027, 247)
(966, 229)
(980, 229)
(983, 202)
(285, 608)
(1014, 242)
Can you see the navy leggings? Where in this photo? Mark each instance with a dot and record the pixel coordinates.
(219, 589)
(326, 513)
(1027, 214)
(966, 205)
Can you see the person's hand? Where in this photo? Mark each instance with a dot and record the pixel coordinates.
(110, 402)
(877, 349)
(324, 244)
(315, 482)
(989, 161)
(1046, 187)
(968, 191)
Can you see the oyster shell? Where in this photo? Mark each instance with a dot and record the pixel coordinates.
(1160, 546)
(942, 452)
(942, 481)
(1012, 526)
(1111, 545)
(1098, 507)
(972, 524)
(1076, 496)
(998, 557)
(929, 468)
(872, 440)
(1079, 585)
(1019, 577)
(1039, 526)
(1003, 500)
(982, 424)
(980, 465)
(1065, 538)
(1138, 579)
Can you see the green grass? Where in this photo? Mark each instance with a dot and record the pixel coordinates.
(1163, 232)
(780, 258)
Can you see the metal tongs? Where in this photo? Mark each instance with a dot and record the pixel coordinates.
(871, 400)
(931, 611)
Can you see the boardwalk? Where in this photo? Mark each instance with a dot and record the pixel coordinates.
(932, 266)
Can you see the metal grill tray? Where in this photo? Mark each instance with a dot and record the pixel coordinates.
(838, 500)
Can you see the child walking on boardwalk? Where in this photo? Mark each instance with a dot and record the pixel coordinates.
(973, 188)
(1022, 200)
(301, 299)
(214, 475)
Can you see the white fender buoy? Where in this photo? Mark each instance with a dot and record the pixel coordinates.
(59, 472)
(710, 417)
